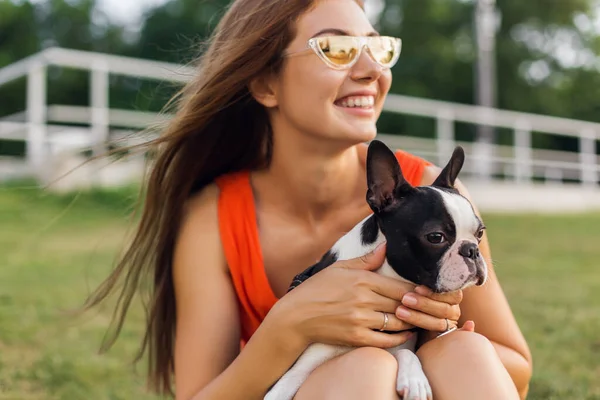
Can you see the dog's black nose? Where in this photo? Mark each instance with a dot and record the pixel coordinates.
(469, 250)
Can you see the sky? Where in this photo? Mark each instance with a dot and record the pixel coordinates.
(127, 11)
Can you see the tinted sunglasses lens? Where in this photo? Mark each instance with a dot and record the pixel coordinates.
(339, 50)
(384, 49)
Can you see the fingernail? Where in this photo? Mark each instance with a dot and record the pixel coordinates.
(409, 299)
(379, 247)
(402, 313)
(422, 290)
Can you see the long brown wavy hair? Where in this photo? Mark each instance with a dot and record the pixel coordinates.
(217, 128)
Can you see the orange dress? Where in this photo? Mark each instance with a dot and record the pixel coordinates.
(241, 242)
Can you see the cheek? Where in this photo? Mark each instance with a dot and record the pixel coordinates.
(308, 88)
(385, 83)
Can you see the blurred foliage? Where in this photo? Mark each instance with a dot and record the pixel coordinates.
(546, 53)
(540, 54)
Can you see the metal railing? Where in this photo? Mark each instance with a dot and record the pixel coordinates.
(522, 159)
(40, 123)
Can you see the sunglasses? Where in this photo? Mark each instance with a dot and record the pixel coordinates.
(342, 52)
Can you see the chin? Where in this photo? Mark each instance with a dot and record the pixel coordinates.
(361, 136)
(349, 134)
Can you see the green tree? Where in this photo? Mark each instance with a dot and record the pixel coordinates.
(17, 41)
(27, 28)
(175, 31)
(439, 55)
(172, 32)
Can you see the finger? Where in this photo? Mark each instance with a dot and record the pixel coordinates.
(430, 306)
(390, 288)
(425, 321)
(381, 339)
(369, 261)
(377, 320)
(454, 297)
(468, 326)
(381, 303)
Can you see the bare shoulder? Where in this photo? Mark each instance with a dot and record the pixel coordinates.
(203, 203)
(205, 298)
(430, 172)
(199, 232)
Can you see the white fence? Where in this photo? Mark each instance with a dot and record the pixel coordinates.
(45, 128)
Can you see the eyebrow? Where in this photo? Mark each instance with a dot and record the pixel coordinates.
(342, 32)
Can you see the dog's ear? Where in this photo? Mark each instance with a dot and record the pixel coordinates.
(386, 184)
(448, 176)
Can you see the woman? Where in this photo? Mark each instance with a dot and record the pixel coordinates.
(258, 174)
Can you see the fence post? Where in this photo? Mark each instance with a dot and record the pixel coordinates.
(445, 135)
(36, 117)
(484, 150)
(99, 106)
(587, 158)
(522, 151)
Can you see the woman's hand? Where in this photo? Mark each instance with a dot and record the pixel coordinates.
(345, 304)
(436, 312)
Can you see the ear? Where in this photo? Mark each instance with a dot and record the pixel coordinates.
(263, 89)
(386, 184)
(448, 176)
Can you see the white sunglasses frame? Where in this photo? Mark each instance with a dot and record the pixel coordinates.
(363, 41)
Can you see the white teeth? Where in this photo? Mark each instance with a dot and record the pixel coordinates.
(358, 101)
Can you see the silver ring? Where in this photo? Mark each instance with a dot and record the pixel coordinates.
(448, 329)
(385, 322)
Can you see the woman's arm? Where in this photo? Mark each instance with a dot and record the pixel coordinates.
(488, 307)
(207, 364)
(341, 304)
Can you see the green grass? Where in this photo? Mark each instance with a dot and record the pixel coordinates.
(56, 248)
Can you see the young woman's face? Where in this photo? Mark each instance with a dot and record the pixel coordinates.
(333, 104)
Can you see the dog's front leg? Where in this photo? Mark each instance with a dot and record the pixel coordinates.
(411, 383)
(315, 355)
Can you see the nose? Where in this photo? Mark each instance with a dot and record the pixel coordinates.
(366, 69)
(469, 250)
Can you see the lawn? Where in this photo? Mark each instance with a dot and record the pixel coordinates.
(55, 248)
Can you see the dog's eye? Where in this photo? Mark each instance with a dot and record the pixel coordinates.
(436, 238)
(479, 234)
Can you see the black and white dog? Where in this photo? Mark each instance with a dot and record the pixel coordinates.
(432, 235)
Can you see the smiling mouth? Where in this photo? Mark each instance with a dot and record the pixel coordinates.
(364, 102)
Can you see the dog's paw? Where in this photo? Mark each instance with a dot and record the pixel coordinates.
(284, 389)
(414, 388)
(275, 394)
(412, 384)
